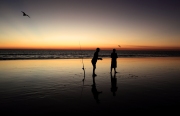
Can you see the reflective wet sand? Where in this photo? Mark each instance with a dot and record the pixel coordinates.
(57, 86)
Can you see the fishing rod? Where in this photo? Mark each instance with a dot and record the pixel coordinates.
(82, 56)
(82, 62)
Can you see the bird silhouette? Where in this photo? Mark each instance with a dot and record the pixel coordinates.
(119, 45)
(24, 14)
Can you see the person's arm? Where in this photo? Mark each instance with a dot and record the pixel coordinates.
(99, 58)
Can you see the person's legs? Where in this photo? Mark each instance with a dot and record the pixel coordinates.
(94, 68)
(115, 70)
(115, 67)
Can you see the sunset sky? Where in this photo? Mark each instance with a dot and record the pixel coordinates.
(67, 24)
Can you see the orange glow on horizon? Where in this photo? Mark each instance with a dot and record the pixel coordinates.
(78, 47)
(71, 25)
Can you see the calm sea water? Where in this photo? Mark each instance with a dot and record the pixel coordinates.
(75, 54)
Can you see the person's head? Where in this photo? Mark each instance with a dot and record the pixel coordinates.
(114, 50)
(97, 49)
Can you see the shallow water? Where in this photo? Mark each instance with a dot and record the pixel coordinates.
(56, 85)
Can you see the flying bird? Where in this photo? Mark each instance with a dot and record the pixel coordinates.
(24, 14)
(119, 45)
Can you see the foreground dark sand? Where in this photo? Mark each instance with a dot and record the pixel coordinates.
(56, 86)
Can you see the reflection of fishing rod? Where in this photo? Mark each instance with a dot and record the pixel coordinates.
(82, 89)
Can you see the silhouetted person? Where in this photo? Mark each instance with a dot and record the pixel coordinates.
(24, 14)
(95, 91)
(114, 84)
(94, 60)
(114, 60)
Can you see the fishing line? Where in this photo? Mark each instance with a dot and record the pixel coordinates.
(81, 56)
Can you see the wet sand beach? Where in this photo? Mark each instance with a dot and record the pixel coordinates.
(50, 86)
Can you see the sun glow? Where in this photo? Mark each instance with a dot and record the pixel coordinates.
(65, 25)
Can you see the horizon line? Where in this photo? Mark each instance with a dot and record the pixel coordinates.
(118, 49)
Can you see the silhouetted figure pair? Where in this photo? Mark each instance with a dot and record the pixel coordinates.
(114, 84)
(95, 91)
(94, 60)
(114, 57)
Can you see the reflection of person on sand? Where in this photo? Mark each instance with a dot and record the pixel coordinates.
(94, 60)
(95, 91)
(113, 60)
(114, 84)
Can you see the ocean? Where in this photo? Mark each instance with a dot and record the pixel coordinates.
(7, 54)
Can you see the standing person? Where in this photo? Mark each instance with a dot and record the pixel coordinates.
(94, 60)
(113, 60)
